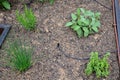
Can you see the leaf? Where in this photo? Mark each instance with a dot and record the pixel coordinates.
(79, 22)
(74, 17)
(88, 70)
(82, 10)
(82, 20)
(79, 32)
(95, 29)
(93, 21)
(78, 12)
(73, 21)
(89, 13)
(97, 24)
(69, 24)
(75, 27)
(86, 22)
(6, 4)
(86, 34)
(85, 29)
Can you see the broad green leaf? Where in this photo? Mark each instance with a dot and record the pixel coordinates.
(82, 19)
(75, 27)
(89, 13)
(79, 32)
(86, 22)
(79, 22)
(93, 21)
(69, 24)
(85, 29)
(73, 21)
(6, 4)
(74, 17)
(86, 34)
(95, 29)
(78, 12)
(97, 24)
(82, 10)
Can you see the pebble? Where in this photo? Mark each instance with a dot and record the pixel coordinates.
(1, 17)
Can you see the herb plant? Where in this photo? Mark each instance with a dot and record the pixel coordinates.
(100, 66)
(27, 18)
(20, 56)
(84, 22)
(5, 4)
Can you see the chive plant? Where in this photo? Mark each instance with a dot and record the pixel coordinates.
(20, 56)
(27, 19)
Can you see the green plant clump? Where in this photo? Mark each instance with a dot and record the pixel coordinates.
(97, 65)
(5, 4)
(20, 56)
(27, 19)
(84, 22)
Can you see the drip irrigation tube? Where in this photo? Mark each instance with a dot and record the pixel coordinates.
(59, 47)
(102, 5)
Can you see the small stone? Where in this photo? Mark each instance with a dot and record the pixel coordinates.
(1, 17)
(1, 14)
(10, 18)
(1, 20)
(96, 36)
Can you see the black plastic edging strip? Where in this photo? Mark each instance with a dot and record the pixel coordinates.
(117, 21)
(4, 33)
(117, 11)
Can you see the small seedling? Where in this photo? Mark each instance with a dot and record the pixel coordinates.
(5, 4)
(99, 66)
(84, 22)
(27, 19)
(20, 56)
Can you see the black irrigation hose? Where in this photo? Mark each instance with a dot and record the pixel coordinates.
(75, 58)
(102, 5)
(69, 56)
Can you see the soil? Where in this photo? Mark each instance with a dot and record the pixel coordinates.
(51, 40)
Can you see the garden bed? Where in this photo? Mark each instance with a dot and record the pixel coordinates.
(49, 62)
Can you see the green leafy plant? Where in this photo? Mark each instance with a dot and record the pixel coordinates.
(20, 56)
(100, 66)
(84, 22)
(27, 19)
(5, 4)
